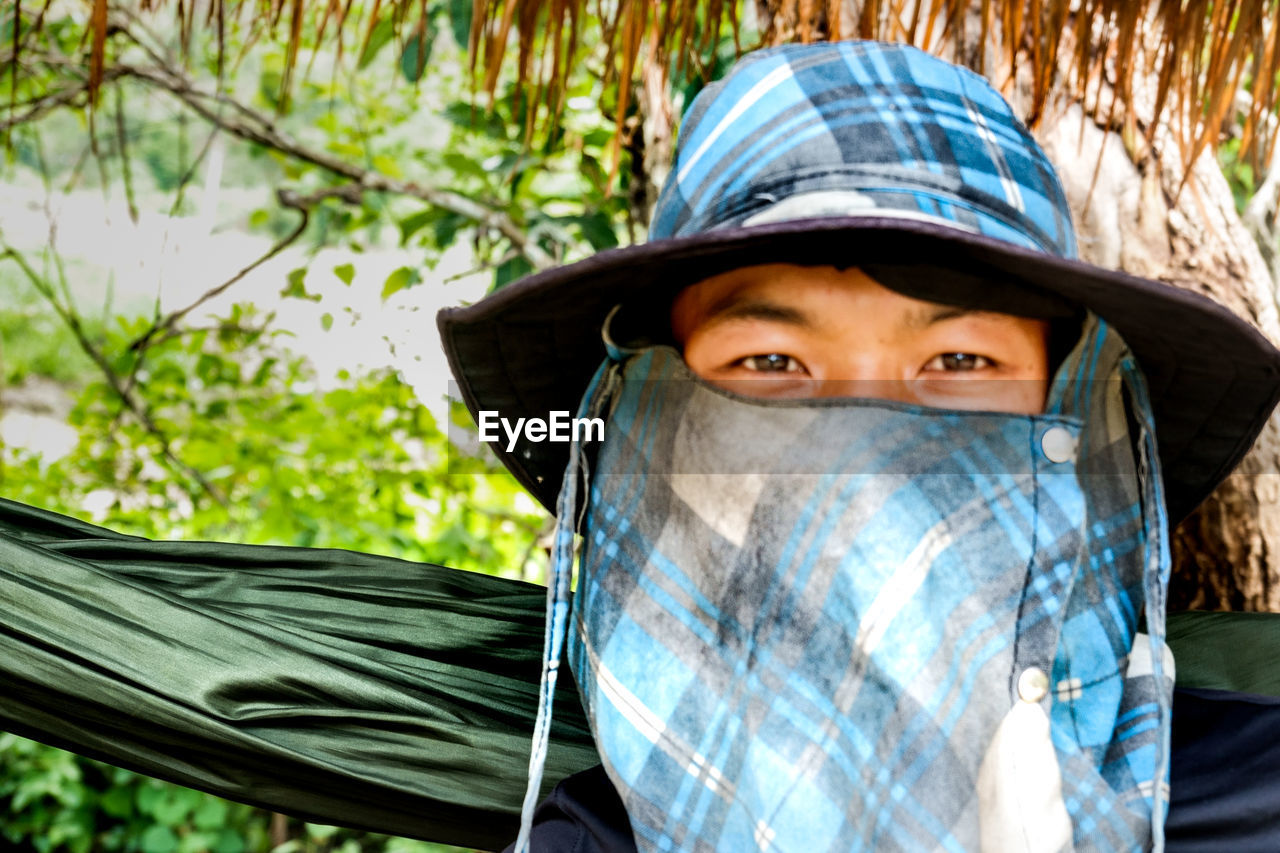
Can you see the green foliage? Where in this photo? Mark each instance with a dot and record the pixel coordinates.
(413, 61)
(165, 149)
(296, 286)
(399, 279)
(35, 342)
(361, 465)
(238, 438)
(1239, 173)
(56, 801)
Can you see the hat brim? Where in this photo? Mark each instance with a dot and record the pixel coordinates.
(532, 347)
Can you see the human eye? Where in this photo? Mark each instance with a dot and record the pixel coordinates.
(772, 362)
(958, 362)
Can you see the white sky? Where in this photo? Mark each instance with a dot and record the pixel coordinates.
(177, 259)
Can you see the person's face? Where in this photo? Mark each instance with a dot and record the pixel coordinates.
(821, 332)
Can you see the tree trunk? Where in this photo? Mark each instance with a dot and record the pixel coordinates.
(1136, 219)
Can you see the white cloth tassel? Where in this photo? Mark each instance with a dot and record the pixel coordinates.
(1020, 787)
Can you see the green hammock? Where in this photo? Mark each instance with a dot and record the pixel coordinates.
(340, 687)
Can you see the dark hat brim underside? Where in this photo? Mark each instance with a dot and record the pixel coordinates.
(532, 347)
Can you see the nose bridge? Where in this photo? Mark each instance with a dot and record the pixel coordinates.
(871, 389)
(867, 373)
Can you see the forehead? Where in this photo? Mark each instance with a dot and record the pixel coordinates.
(806, 296)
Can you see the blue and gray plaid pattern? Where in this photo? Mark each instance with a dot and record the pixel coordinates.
(831, 660)
(861, 128)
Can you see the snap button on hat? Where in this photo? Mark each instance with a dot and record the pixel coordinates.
(1058, 444)
(1033, 684)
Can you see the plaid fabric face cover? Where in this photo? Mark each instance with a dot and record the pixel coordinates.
(860, 625)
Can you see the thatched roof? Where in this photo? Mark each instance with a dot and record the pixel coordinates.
(1200, 51)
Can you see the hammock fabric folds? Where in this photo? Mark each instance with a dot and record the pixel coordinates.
(400, 697)
(340, 687)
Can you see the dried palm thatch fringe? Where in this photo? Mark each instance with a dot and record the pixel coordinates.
(1200, 50)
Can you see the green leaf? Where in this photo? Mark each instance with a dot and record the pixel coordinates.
(117, 801)
(387, 165)
(346, 272)
(211, 814)
(229, 841)
(594, 173)
(447, 228)
(176, 805)
(346, 148)
(159, 839)
(510, 271)
(414, 222)
(264, 371)
(326, 321)
(269, 86)
(413, 60)
(513, 162)
(460, 21)
(598, 229)
(296, 289)
(320, 832)
(149, 796)
(399, 280)
(208, 368)
(475, 118)
(463, 165)
(382, 33)
(599, 138)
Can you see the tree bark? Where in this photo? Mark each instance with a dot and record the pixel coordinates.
(1140, 217)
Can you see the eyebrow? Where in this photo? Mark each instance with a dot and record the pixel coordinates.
(930, 315)
(737, 307)
(734, 307)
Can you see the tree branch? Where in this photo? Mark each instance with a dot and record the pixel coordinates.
(257, 127)
(253, 126)
(220, 328)
(46, 103)
(136, 407)
(289, 199)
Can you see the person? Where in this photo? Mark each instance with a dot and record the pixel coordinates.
(875, 546)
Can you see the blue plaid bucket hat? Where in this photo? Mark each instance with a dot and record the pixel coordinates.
(918, 172)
